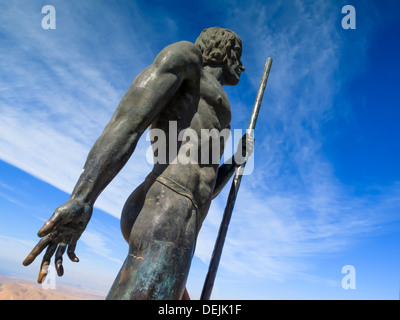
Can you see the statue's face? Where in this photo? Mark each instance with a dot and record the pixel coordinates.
(233, 67)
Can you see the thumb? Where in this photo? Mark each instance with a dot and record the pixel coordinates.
(49, 224)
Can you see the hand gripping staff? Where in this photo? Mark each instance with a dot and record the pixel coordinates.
(219, 243)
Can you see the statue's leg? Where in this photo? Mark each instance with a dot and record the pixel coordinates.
(161, 247)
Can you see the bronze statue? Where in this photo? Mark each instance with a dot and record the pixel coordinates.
(162, 217)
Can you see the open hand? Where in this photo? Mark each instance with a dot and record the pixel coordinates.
(62, 230)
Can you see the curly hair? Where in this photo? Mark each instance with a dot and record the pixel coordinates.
(215, 44)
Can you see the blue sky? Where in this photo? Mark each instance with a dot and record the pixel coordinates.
(325, 190)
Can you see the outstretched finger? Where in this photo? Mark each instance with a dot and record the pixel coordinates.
(71, 252)
(46, 262)
(59, 259)
(50, 224)
(36, 250)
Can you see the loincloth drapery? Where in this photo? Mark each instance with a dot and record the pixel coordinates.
(179, 189)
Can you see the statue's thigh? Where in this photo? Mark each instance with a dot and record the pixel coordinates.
(166, 216)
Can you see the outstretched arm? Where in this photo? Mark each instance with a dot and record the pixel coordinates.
(148, 95)
(136, 111)
(145, 99)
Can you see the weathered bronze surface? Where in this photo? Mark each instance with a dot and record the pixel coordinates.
(219, 243)
(162, 217)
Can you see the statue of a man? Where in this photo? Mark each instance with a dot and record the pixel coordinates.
(162, 217)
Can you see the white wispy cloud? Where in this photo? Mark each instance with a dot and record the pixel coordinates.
(55, 100)
(97, 244)
(292, 207)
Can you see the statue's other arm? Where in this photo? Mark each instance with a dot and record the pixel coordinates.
(226, 170)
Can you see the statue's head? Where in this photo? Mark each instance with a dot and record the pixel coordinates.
(222, 47)
(215, 44)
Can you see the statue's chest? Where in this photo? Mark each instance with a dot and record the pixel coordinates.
(214, 107)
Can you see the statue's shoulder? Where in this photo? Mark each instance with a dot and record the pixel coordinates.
(184, 47)
(182, 54)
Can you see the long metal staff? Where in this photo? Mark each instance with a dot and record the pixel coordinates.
(216, 256)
